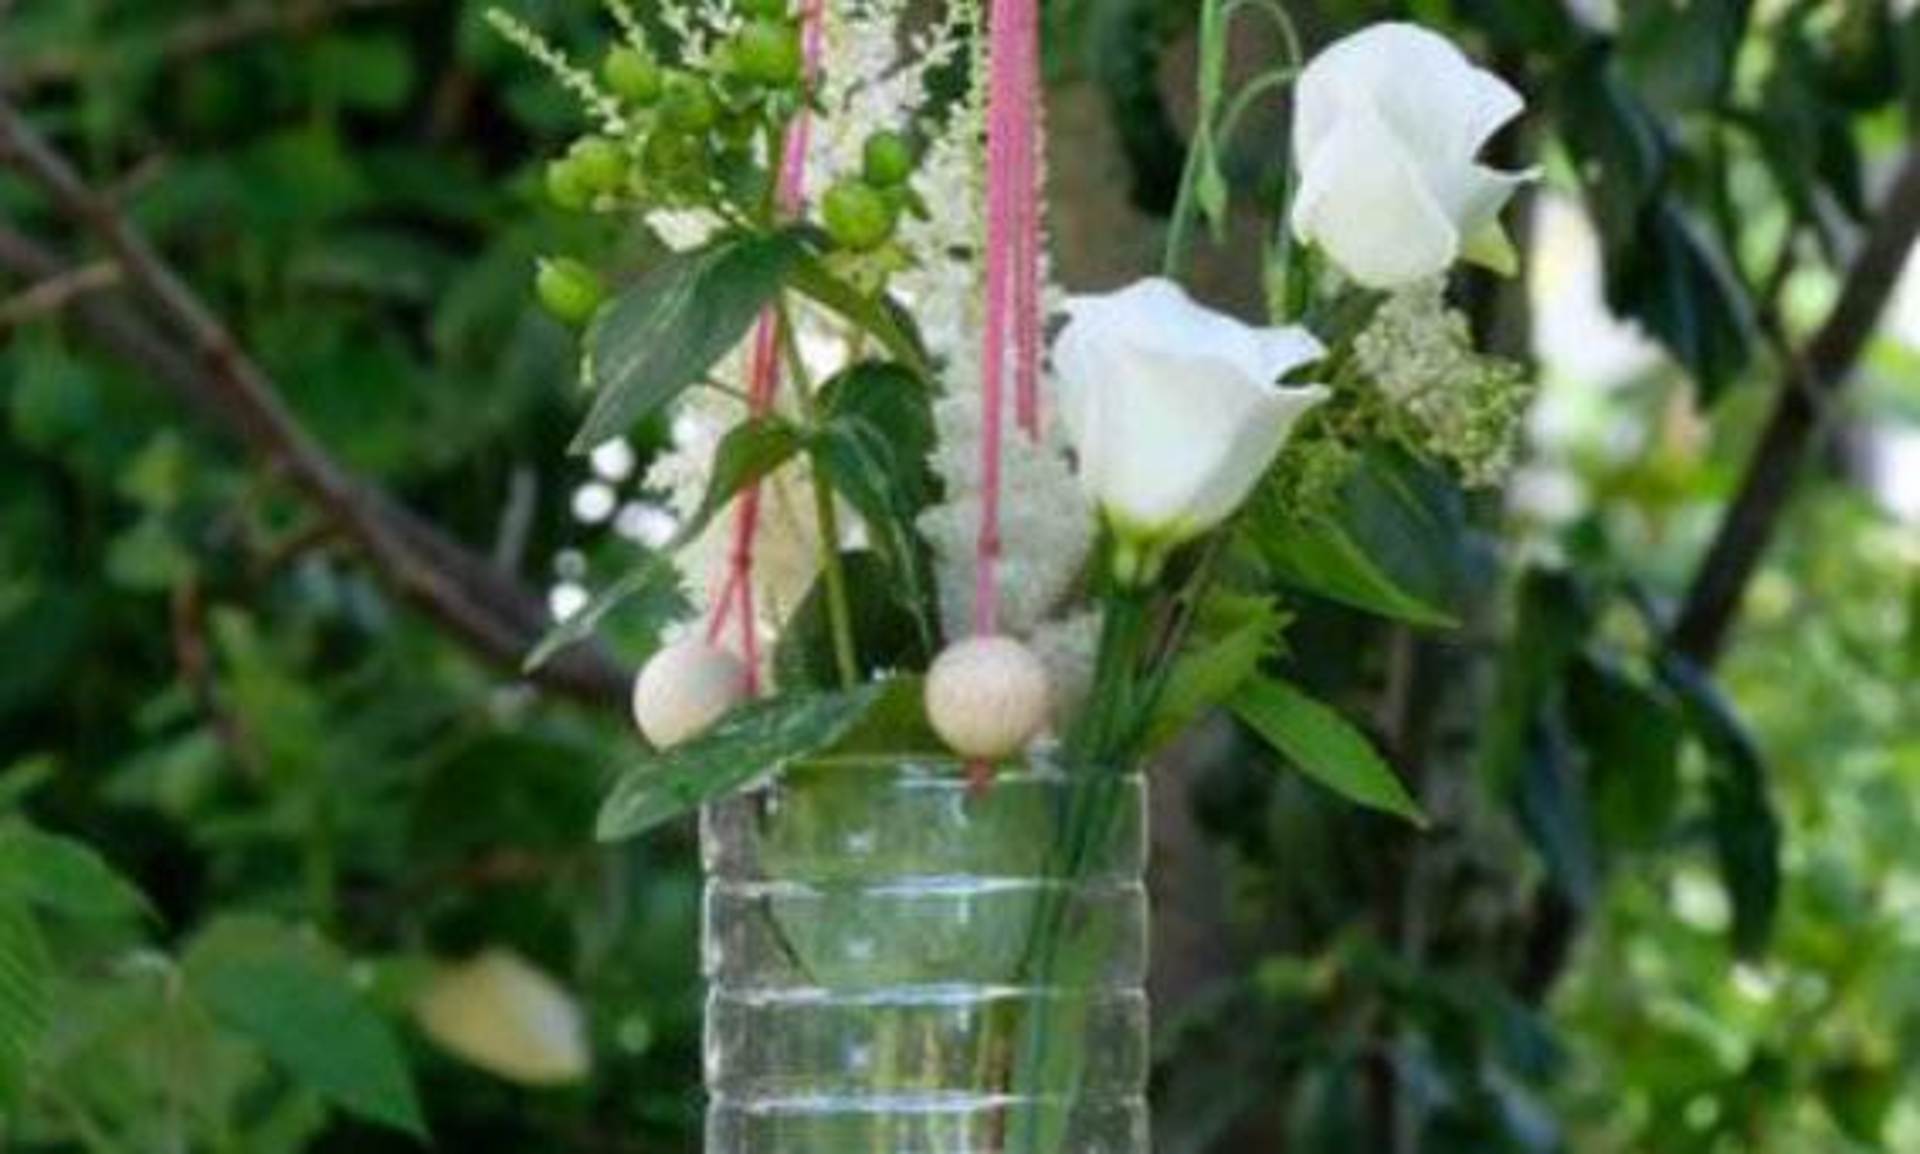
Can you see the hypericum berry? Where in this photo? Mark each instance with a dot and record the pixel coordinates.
(568, 289)
(768, 52)
(687, 105)
(675, 158)
(632, 74)
(684, 689)
(858, 216)
(887, 160)
(761, 9)
(987, 697)
(567, 185)
(601, 164)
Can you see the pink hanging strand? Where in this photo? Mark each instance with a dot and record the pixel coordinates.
(763, 372)
(1012, 322)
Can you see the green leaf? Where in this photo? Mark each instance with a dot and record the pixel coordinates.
(1228, 651)
(886, 635)
(1551, 622)
(1745, 827)
(1323, 746)
(888, 398)
(1392, 547)
(879, 317)
(62, 875)
(757, 738)
(293, 999)
(1631, 735)
(664, 333)
(24, 970)
(889, 488)
(746, 454)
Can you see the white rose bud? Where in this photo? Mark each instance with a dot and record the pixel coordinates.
(987, 697)
(508, 1018)
(684, 689)
(1388, 124)
(1174, 411)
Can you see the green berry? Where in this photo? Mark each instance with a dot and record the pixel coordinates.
(632, 74)
(686, 104)
(858, 216)
(762, 9)
(674, 157)
(568, 289)
(887, 160)
(768, 52)
(567, 185)
(600, 162)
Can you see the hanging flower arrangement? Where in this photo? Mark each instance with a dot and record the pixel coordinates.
(951, 583)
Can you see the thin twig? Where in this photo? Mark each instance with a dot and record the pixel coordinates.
(489, 610)
(191, 40)
(1815, 378)
(55, 293)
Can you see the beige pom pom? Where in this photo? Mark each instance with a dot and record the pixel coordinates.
(987, 697)
(507, 1018)
(687, 687)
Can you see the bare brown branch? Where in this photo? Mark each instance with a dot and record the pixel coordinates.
(54, 293)
(1814, 380)
(200, 360)
(192, 39)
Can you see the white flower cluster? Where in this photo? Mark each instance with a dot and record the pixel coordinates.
(1453, 402)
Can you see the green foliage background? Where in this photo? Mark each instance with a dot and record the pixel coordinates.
(250, 800)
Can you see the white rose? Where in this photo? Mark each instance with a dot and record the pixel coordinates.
(1174, 411)
(1387, 125)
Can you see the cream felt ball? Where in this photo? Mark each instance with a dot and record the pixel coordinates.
(684, 689)
(987, 697)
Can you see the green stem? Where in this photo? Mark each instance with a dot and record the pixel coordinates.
(832, 569)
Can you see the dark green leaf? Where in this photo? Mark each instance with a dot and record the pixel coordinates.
(1550, 800)
(1746, 830)
(1551, 621)
(1681, 55)
(1323, 746)
(62, 875)
(293, 1000)
(1394, 546)
(1631, 737)
(757, 738)
(886, 635)
(664, 333)
(878, 316)
(889, 488)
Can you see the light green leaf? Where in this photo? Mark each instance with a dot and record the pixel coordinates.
(1209, 672)
(1324, 746)
(290, 997)
(757, 738)
(663, 333)
(62, 875)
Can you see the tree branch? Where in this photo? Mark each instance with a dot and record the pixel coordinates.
(1814, 381)
(481, 605)
(199, 36)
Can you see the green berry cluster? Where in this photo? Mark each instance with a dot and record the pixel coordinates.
(709, 137)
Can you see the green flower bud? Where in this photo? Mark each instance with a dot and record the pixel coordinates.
(632, 75)
(858, 216)
(887, 160)
(568, 289)
(567, 185)
(687, 104)
(600, 163)
(768, 52)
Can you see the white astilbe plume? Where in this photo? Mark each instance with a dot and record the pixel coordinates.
(1046, 528)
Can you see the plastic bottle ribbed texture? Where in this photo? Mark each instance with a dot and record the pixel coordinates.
(896, 965)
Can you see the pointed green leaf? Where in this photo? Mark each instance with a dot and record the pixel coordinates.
(24, 969)
(1324, 746)
(757, 738)
(293, 1000)
(62, 875)
(666, 331)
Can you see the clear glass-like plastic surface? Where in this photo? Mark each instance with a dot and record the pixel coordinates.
(899, 965)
